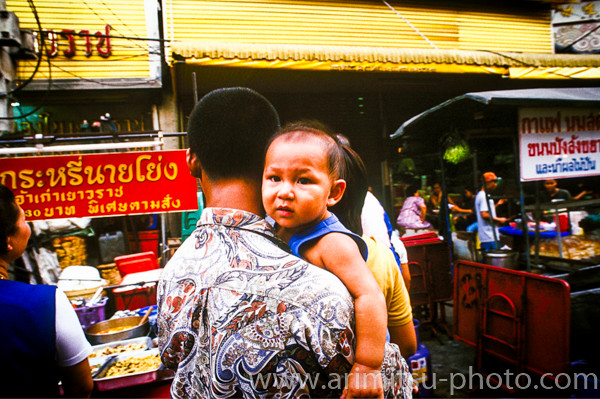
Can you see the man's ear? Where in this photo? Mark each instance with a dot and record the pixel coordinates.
(193, 164)
(337, 191)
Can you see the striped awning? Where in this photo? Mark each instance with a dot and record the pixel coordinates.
(386, 59)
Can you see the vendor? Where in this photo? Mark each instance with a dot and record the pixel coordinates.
(488, 233)
(553, 193)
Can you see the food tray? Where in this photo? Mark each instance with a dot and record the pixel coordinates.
(107, 383)
(140, 340)
(96, 363)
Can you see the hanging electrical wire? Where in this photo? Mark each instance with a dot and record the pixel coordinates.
(80, 34)
(580, 38)
(411, 25)
(23, 85)
(39, 57)
(103, 20)
(527, 64)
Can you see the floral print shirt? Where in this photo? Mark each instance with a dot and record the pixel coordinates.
(239, 316)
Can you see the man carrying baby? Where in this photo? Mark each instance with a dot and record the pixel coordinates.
(239, 315)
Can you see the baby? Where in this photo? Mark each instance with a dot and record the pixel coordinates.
(300, 181)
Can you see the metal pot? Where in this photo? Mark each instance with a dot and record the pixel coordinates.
(134, 331)
(502, 258)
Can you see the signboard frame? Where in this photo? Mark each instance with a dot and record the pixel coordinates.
(100, 184)
(556, 143)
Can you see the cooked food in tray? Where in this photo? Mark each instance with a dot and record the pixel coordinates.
(132, 365)
(94, 368)
(574, 247)
(114, 329)
(113, 350)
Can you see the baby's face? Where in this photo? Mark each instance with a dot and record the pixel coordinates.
(296, 184)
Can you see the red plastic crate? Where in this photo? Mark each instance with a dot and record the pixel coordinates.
(135, 263)
(132, 298)
(138, 290)
(147, 240)
(418, 238)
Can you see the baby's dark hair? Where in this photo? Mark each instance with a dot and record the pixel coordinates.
(9, 216)
(300, 129)
(349, 208)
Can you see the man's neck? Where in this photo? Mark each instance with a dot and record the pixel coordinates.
(239, 194)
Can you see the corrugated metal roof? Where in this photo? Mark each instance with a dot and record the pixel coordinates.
(447, 24)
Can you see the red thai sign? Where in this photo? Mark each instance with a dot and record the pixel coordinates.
(95, 185)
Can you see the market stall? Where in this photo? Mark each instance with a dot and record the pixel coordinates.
(519, 321)
(115, 302)
(538, 133)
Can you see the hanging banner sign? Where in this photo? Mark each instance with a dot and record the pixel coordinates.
(559, 143)
(95, 185)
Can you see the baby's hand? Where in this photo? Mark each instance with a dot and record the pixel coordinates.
(363, 382)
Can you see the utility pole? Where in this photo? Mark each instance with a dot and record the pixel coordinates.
(10, 40)
(15, 44)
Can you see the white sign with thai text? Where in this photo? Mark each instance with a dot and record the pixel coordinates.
(559, 143)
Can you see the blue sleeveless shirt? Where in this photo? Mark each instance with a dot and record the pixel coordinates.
(28, 340)
(330, 225)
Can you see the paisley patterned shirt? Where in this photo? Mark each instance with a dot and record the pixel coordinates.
(239, 316)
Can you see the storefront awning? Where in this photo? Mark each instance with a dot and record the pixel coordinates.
(467, 105)
(386, 59)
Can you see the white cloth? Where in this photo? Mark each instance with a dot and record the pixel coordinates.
(71, 345)
(399, 247)
(484, 228)
(372, 220)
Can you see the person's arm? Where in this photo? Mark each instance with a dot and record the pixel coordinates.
(77, 380)
(339, 254)
(484, 209)
(582, 194)
(405, 337)
(406, 275)
(423, 209)
(457, 209)
(72, 350)
(486, 216)
(400, 249)
(400, 318)
(451, 201)
(500, 202)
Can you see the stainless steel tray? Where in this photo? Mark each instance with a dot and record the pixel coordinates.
(107, 383)
(140, 340)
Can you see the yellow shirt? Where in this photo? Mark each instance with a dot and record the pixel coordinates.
(383, 265)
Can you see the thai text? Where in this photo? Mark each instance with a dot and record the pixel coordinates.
(561, 146)
(583, 164)
(557, 123)
(75, 173)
